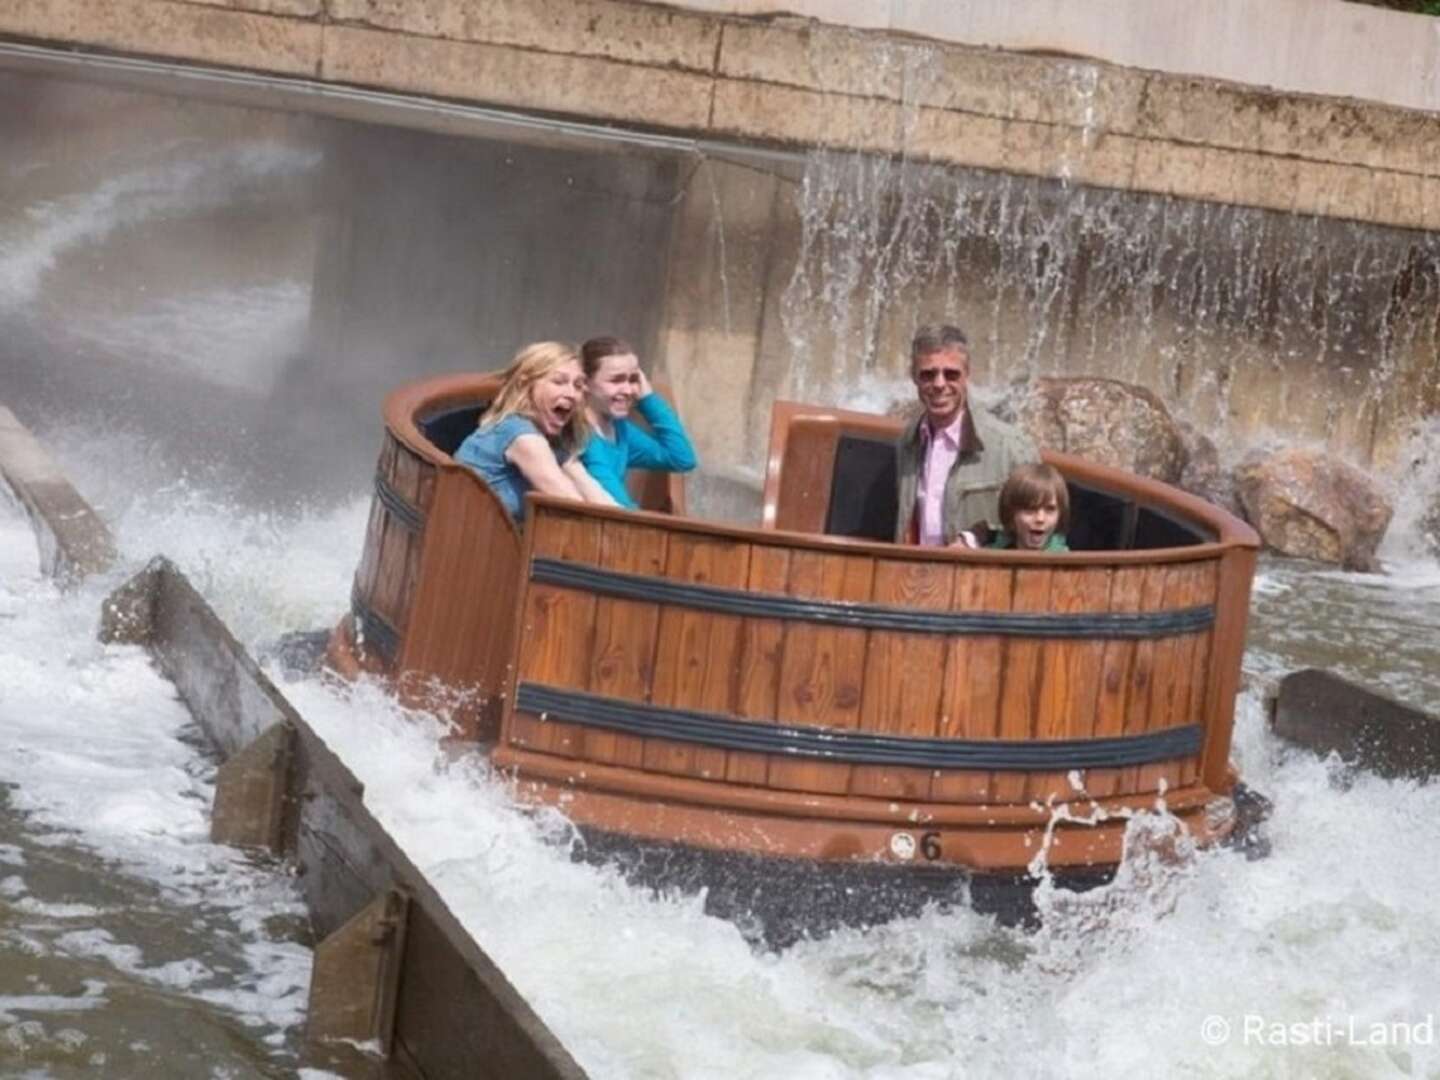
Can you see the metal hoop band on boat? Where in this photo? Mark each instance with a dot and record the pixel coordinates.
(376, 630)
(400, 509)
(855, 747)
(1091, 625)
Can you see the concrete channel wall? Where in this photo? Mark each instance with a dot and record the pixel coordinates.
(73, 540)
(792, 82)
(395, 969)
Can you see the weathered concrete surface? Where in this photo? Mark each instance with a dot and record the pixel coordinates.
(252, 791)
(454, 1013)
(1307, 46)
(904, 86)
(73, 541)
(1327, 714)
(356, 974)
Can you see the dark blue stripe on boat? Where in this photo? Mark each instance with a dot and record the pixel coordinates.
(856, 747)
(400, 509)
(1091, 625)
(375, 632)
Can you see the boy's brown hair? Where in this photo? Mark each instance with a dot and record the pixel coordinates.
(1029, 486)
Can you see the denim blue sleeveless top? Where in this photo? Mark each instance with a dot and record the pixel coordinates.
(484, 451)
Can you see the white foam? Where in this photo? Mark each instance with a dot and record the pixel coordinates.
(92, 752)
(1338, 920)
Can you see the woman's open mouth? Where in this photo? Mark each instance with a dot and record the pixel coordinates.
(558, 415)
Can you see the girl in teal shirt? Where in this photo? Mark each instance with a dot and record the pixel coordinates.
(616, 388)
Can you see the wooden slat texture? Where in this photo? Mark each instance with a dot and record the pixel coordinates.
(1020, 680)
(1176, 655)
(405, 479)
(1201, 647)
(904, 675)
(391, 590)
(697, 657)
(370, 555)
(822, 667)
(625, 637)
(559, 629)
(1170, 684)
(1234, 575)
(806, 476)
(1070, 675)
(463, 617)
(970, 706)
(1140, 703)
(1117, 661)
(761, 641)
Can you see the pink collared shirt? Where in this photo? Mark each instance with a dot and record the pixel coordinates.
(940, 452)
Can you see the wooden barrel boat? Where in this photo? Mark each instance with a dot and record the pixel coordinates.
(803, 690)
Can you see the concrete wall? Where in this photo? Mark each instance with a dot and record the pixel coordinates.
(800, 83)
(1265, 259)
(1333, 48)
(1252, 324)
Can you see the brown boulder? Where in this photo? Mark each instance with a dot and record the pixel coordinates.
(1104, 420)
(1203, 475)
(1309, 504)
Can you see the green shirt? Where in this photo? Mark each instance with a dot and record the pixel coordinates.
(1056, 541)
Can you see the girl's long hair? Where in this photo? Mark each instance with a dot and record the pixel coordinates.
(531, 364)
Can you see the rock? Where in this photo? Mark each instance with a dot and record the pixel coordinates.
(1105, 420)
(1331, 715)
(1203, 474)
(1312, 505)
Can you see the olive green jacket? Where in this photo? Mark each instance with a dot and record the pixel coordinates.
(989, 450)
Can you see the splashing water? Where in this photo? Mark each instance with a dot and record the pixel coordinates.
(1117, 982)
(1247, 323)
(100, 768)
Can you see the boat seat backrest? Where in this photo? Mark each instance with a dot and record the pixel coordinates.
(449, 428)
(862, 489)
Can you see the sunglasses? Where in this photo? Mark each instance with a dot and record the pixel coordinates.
(949, 374)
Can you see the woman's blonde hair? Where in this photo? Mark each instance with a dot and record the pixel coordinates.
(1032, 486)
(531, 364)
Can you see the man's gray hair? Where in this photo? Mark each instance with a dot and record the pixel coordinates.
(937, 337)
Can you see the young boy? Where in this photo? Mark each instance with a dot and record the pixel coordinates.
(1034, 510)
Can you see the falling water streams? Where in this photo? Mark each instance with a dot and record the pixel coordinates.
(131, 946)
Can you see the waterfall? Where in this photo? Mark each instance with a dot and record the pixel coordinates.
(1249, 323)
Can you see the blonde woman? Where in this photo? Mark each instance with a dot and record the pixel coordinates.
(531, 436)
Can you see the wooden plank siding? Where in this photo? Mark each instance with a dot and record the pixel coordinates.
(794, 672)
(725, 625)
(626, 637)
(461, 632)
(697, 659)
(761, 651)
(1117, 663)
(1069, 677)
(557, 630)
(904, 675)
(822, 667)
(974, 667)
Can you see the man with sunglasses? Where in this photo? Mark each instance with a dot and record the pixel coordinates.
(953, 459)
